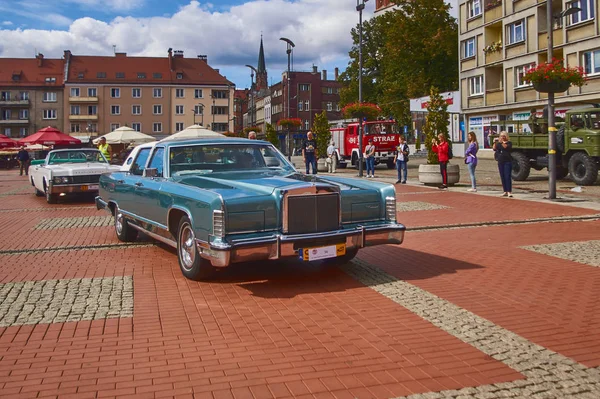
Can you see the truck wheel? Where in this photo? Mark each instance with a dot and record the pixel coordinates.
(520, 166)
(561, 172)
(192, 265)
(583, 169)
(124, 232)
(560, 140)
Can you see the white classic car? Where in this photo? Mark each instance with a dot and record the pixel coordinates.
(68, 171)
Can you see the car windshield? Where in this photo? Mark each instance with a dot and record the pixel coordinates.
(226, 157)
(75, 156)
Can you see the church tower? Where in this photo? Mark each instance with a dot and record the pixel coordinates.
(262, 81)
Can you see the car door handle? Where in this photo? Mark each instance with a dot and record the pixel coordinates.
(139, 184)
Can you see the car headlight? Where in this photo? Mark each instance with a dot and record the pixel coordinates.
(390, 209)
(219, 223)
(61, 180)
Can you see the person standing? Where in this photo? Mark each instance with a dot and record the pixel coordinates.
(502, 150)
(309, 153)
(440, 147)
(401, 160)
(105, 148)
(471, 159)
(370, 158)
(331, 158)
(252, 135)
(23, 158)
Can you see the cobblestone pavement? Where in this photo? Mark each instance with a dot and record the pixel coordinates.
(487, 298)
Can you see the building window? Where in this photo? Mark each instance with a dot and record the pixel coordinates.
(136, 92)
(157, 92)
(157, 109)
(101, 75)
(136, 126)
(329, 107)
(92, 110)
(120, 75)
(520, 71)
(49, 114)
(219, 110)
(157, 127)
(300, 107)
(468, 48)
(304, 87)
(337, 107)
(49, 97)
(75, 128)
(178, 126)
(6, 114)
(91, 127)
(179, 110)
(198, 93)
(179, 75)
(219, 94)
(591, 62)
(141, 75)
(50, 80)
(24, 95)
(219, 127)
(307, 105)
(136, 109)
(474, 8)
(24, 114)
(75, 110)
(5, 96)
(198, 109)
(329, 90)
(515, 32)
(115, 110)
(179, 93)
(115, 92)
(23, 132)
(157, 75)
(92, 92)
(306, 124)
(476, 85)
(7, 132)
(74, 91)
(586, 14)
(114, 126)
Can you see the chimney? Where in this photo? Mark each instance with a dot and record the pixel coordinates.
(178, 54)
(67, 55)
(40, 58)
(203, 57)
(170, 52)
(121, 55)
(315, 69)
(336, 73)
(324, 74)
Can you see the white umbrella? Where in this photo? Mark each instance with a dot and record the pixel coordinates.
(126, 135)
(194, 132)
(37, 147)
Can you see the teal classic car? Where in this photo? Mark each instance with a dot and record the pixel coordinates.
(222, 201)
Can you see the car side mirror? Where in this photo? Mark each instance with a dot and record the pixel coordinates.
(150, 172)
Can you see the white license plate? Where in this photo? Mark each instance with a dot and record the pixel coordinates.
(90, 187)
(331, 251)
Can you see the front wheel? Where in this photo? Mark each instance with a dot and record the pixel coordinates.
(192, 265)
(123, 230)
(583, 169)
(520, 166)
(51, 198)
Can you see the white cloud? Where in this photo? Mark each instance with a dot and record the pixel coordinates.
(6, 23)
(114, 5)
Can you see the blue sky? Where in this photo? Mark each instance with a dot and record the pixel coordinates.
(228, 31)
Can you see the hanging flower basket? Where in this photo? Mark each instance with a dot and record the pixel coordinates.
(366, 111)
(553, 77)
(290, 122)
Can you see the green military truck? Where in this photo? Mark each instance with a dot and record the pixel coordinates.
(577, 143)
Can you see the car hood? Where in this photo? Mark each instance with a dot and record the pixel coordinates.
(81, 169)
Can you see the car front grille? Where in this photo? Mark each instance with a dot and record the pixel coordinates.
(313, 213)
(86, 179)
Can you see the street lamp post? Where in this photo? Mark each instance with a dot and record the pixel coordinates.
(550, 17)
(360, 6)
(251, 111)
(290, 46)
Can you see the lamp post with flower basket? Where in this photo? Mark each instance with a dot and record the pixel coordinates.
(363, 112)
(289, 123)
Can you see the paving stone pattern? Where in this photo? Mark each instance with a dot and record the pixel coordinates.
(71, 208)
(586, 252)
(548, 374)
(74, 222)
(16, 191)
(58, 301)
(411, 206)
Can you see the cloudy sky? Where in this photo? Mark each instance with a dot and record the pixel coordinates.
(228, 31)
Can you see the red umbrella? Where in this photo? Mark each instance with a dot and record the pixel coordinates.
(6, 142)
(49, 136)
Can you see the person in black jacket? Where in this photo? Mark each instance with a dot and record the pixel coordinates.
(23, 158)
(503, 148)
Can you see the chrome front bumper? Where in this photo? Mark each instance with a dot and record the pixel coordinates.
(72, 188)
(284, 246)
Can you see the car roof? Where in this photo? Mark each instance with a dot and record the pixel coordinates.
(210, 141)
(75, 149)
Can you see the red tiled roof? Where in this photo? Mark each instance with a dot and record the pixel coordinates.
(30, 74)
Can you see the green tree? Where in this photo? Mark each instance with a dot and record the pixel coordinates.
(272, 136)
(435, 123)
(322, 134)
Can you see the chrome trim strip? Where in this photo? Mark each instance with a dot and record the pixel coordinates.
(101, 204)
(154, 235)
(307, 191)
(144, 220)
(182, 210)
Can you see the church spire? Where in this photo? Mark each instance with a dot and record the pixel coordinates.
(261, 58)
(262, 81)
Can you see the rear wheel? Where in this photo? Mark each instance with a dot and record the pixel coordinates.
(124, 231)
(192, 265)
(520, 166)
(583, 169)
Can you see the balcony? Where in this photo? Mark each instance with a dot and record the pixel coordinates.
(14, 122)
(15, 102)
(83, 117)
(83, 99)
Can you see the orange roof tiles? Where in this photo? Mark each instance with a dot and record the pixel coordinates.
(26, 72)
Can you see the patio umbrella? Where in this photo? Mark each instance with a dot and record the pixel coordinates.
(49, 136)
(126, 135)
(194, 132)
(7, 142)
(37, 147)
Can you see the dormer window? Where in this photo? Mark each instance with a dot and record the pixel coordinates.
(101, 75)
(141, 75)
(80, 75)
(179, 75)
(50, 80)
(120, 75)
(157, 75)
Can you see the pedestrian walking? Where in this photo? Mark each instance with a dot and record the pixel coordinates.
(401, 160)
(370, 158)
(471, 159)
(309, 153)
(331, 158)
(440, 146)
(23, 158)
(502, 150)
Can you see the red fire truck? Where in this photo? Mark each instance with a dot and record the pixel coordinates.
(385, 135)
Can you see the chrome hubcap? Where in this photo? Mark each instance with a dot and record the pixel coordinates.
(119, 222)
(187, 251)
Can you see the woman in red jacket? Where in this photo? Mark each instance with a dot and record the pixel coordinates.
(440, 146)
